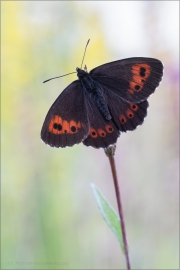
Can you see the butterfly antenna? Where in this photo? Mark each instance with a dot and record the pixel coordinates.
(71, 72)
(85, 52)
(57, 77)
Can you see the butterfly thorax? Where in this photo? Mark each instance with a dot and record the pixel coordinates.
(93, 89)
(86, 80)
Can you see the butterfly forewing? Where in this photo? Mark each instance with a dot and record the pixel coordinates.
(133, 79)
(66, 123)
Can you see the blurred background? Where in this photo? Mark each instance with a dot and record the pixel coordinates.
(50, 219)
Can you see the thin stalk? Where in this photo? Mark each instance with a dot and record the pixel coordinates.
(110, 151)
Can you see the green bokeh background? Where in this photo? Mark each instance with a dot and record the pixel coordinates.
(49, 217)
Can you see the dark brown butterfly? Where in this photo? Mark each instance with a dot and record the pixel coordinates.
(99, 105)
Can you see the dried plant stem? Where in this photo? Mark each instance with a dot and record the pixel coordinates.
(110, 153)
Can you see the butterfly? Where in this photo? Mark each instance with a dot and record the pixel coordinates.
(96, 108)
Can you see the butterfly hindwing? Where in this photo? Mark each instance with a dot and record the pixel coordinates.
(66, 122)
(102, 132)
(126, 116)
(132, 79)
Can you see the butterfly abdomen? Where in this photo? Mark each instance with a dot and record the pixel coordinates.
(98, 97)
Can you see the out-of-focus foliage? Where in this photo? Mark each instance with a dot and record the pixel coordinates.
(49, 216)
(109, 215)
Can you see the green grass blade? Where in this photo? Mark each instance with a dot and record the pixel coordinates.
(109, 215)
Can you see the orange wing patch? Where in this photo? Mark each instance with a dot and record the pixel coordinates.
(122, 119)
(109, 128)
(100, 132)
(93, 133)
(59, 126)
(140, 74)
(129, 113)
(133, 106)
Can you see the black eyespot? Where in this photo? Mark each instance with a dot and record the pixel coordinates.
(142, 74)
(55, 126)
(73, 129)
(137, 87)
(59, 127)
(142, 69)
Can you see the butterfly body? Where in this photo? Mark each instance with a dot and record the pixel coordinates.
(94, 91)
(97, 107)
